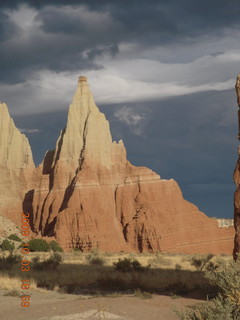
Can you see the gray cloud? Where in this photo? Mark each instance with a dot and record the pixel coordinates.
(134, 118)
(74, 34)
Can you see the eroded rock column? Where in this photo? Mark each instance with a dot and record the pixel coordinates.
(237, 182)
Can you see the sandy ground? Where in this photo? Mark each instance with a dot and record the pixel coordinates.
(49, 305)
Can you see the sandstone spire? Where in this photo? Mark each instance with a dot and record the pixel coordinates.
(16, 166)
(237, 182)
(15, 149)
(88, 195)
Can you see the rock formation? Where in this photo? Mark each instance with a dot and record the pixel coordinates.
(16, 166)
(87, 195)
(237, 182)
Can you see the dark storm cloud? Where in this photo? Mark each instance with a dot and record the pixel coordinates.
(7, 28)
(72, 34)
(153, 22)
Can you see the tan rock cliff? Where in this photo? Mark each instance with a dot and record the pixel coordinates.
(16, 166)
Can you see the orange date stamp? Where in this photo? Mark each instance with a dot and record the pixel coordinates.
(25, 263)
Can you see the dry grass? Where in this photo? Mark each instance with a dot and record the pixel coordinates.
(163, 260)
(76, 275)
(166, 260)
(14, 283)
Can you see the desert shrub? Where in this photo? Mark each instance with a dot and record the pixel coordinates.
(51, 263)
(97, 261)
(226, 306)
(38, 245)
(9, 261)
(159, 260)
(54, 246)
(13, 259)
(14, 237)
(200, 262)
(142, 294)
(54, 261)
(12, 293)
(211, 266)
(127, 265)
(95, 258)
(35, 260)
(7, 245)
(220, 261)
(178, 267)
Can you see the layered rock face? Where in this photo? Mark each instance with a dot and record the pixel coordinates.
(87, 195)
(237, 182)
(16, 166)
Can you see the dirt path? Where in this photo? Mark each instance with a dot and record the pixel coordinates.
(50, 305)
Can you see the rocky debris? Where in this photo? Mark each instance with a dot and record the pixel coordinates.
(87, 195)
(7, 227)
(237, 182)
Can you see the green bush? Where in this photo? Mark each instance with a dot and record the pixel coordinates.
(7, 245)
(127, 265)
(54, 246)
(14, 237)
(38, 245)
(226, 306)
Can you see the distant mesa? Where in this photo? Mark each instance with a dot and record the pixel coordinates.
(86, 194)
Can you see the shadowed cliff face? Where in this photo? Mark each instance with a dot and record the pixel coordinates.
(87, 195)
(237, 182)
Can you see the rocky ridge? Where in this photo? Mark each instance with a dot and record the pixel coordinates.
(87, 195)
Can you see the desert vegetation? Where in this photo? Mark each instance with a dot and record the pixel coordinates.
(214, 278)
(97, 272)
(226, 305)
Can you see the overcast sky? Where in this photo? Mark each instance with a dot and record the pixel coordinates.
(163, 72)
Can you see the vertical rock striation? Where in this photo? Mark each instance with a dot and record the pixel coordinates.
(237, 182)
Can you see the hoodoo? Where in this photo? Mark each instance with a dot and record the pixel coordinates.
(237, 182)
(87, 195)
